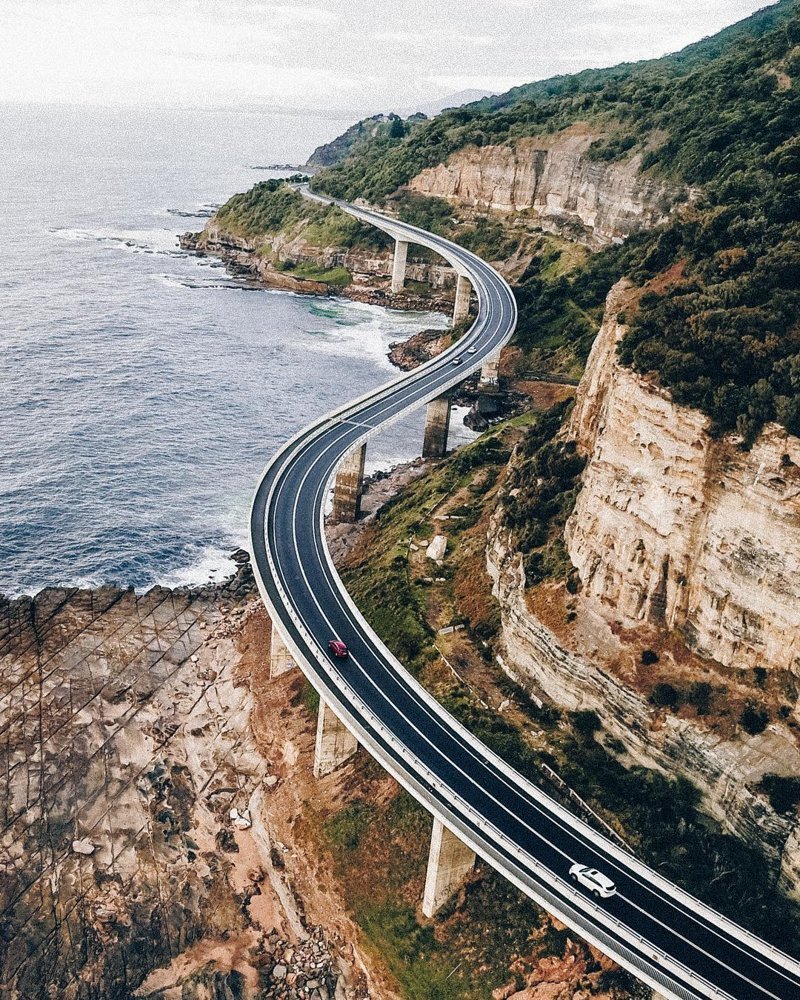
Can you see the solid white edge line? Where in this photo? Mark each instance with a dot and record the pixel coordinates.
(314, 431)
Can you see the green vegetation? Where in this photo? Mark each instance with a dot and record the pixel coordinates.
(754, 719)
(274, 206)
(561, 306)
(338, 276)
(723, 333)
(347, 827)
(378, 577)
(543, 488)
(681, 95)
(463, 957)
(310, 697)
(783, 792)
(657, 815)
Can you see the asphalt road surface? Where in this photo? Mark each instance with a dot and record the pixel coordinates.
(668, 939)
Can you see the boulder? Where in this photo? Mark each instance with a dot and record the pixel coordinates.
(437, 548)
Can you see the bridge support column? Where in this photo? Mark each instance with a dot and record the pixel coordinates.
(461, 308)
(449, 863)
(399, 266)
(490, 369)
(437, 425)
(349, 486)
(335, 743)
(280, 659)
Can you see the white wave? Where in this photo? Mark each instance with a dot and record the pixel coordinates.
(160, 241)
(212, 565)
(460, 434)
(362, 330)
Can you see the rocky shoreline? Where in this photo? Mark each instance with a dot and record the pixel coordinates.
(153, 801)
(373, 288)
(148, 818)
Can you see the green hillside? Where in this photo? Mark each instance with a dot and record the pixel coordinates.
(722, 116)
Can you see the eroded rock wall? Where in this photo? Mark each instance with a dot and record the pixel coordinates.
(725, 771)
(675, 528)
(551, 178)
(672, 530)
(264, 259)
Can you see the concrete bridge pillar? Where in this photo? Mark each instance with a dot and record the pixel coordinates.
(335, 743)
(349, 485)
(280, 659)
(437, 424)
(449, 863)
(399, 266)
(461, 308)
(490, 369)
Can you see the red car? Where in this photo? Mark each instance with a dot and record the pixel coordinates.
(338, 648)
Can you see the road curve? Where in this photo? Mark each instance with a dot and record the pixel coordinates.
(665, 937)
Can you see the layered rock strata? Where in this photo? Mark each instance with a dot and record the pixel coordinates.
(675, 528)
(725, 771)
(553, 181)
(673, 531)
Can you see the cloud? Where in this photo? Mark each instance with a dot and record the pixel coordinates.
(326, 53)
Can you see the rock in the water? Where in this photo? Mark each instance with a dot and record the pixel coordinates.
(476, 421)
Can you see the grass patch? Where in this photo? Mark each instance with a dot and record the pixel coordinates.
(543, 488)
(310, 697)
(346, 829)
(338, 276)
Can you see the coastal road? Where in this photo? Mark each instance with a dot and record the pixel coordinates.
(668, 939)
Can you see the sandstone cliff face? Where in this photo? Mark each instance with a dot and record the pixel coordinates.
(723, 770)
(674, 528)
(371, 270)
(551, 178)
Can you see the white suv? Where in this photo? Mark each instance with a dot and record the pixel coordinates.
(593, 880)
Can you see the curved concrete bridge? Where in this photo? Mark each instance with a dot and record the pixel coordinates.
(683, 949)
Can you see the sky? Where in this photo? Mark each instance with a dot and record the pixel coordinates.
(356, 56)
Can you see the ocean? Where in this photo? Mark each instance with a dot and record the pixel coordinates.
(142, 389)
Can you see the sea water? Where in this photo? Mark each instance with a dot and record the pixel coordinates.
(142, 389)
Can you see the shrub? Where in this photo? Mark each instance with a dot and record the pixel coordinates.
(754, 719)
(699, 696)
(585, 723)
(664, 695)
(783, 792)
(546, 481)
(649, 657)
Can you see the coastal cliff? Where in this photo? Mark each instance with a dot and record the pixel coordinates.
(680, 529)
(684, 544)
(554, 182)
(726, 771)
(292, 262)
